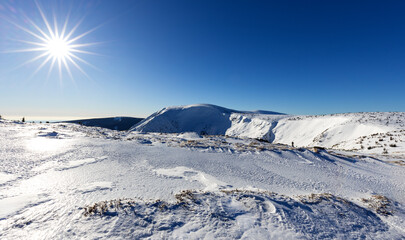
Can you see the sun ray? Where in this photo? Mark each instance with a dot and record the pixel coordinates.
(83, 61)
(73, 29)
(60, 70)
(55, 25)
(77, 66)
(32, 43)
(83, 34)
(62, 35)
(28, 31)
(85, 44)
(51, 67)
(26, 50)
(31, 60)
(86, 52)
(39, 29)
(68, 70)
(45, 20)
(41, 66)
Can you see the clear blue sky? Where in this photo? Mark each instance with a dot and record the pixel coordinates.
(298, 57)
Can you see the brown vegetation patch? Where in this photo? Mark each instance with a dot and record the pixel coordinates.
(380, 204)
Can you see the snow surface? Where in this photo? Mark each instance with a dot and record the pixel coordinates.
(4, 177)
(64, 181)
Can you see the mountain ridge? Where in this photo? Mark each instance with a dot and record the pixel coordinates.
(344, 131)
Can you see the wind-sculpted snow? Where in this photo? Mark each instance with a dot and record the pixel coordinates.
(236, 214)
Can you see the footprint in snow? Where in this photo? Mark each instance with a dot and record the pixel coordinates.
(94, 186)
(79, 163)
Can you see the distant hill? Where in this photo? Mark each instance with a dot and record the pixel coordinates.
(200, 118)
(113, 123)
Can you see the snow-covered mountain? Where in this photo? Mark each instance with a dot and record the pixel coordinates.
(368, 132)
(200, 118)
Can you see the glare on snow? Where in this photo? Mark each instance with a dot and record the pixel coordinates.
(58, 48)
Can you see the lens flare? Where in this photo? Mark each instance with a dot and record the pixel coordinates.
(58, 49)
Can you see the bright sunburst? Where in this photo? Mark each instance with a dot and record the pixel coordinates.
(57, 47)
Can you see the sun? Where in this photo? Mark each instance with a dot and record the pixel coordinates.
(58, 46)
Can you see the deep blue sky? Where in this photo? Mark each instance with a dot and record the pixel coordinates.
(298, 57)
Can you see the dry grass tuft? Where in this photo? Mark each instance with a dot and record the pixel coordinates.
(398, 162)
(380, 204)
(108, 207)
(315, 198)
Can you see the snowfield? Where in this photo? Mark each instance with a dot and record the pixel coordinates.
(179, 176)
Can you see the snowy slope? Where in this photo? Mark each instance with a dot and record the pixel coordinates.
(207, 119)
(351, 131)
(65, 181)
(259, 126)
